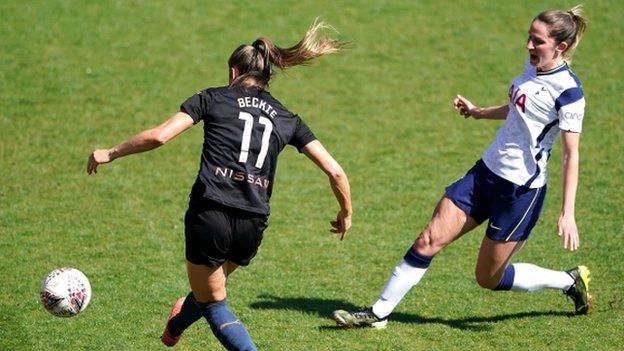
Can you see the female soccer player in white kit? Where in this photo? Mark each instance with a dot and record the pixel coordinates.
(507, 186)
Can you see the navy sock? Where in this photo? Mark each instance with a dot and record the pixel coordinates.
(226, 326)
(188, 315)
(416, 259)
(507, 279)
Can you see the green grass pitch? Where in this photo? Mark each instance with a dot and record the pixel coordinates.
(76, 75)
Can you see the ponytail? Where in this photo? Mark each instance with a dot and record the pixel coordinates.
(578, 15)
(257, 60)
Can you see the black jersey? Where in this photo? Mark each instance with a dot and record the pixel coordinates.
(244, 132)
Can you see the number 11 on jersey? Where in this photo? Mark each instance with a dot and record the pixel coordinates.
(246, 140)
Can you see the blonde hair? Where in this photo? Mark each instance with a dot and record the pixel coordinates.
(565, 27)
(257, 60)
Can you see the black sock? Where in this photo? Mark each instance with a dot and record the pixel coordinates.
(188, 315)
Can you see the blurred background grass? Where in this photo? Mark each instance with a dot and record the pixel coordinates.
(76, 75)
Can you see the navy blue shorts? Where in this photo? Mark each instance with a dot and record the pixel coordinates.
(512, 209)
(216, 233)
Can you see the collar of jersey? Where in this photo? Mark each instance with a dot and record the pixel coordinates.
(563, 67)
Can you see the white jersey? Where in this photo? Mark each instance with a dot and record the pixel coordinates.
(538, 102)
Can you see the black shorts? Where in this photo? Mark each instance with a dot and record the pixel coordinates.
(216, 233)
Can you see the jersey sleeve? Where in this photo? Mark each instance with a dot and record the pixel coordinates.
(302, 135)
(197, 106)
(571, 108)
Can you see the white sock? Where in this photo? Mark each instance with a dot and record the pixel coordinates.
(403, 278)
(529, 277)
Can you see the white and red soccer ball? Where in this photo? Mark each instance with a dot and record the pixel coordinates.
(65, 292)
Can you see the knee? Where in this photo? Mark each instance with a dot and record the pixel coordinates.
(428, 243)
(210, 295)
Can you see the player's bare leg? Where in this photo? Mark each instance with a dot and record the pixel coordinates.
(447, 224)
(494, 256)
(494, 271)
(208, 285)
(208, 299)
(206, 282)
(230, 267)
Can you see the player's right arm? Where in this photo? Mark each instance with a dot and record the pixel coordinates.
(315, 151)
(468, 109)
(144, 141)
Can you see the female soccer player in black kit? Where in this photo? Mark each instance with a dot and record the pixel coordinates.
(245, 128)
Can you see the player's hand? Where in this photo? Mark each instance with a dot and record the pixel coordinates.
(566, 228)
(341, 224)
(464, 106)
(98, 157)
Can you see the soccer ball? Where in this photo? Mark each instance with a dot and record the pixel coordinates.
(65, 292)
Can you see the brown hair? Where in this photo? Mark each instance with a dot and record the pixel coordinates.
(565, 27)
(256, 60)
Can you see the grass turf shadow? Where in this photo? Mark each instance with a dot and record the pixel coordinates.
(324, 307)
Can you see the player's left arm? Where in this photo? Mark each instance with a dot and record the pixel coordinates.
(339, 183)
(566, 225)
(144, 141)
